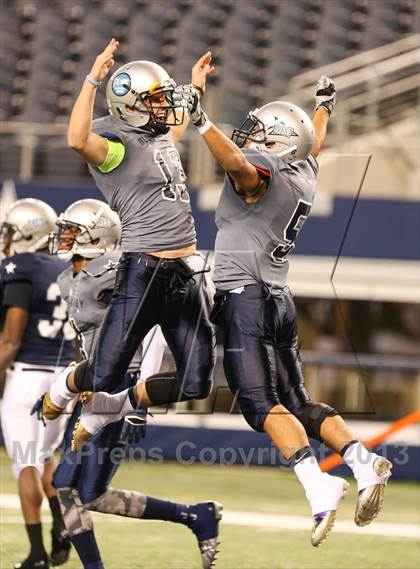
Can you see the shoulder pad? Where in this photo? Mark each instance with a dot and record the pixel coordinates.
(103, 269)
(64, 280)
(21, 267)
(266, 162)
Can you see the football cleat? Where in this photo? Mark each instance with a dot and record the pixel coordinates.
(60, 550)
(324, 521)
(99, 409)
(80, 436)
(49, 410)
(30, 563)
(205, 518)
(370, 499)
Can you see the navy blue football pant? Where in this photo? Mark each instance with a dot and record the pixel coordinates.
(261, 356)
(91, 470)
(150, 291)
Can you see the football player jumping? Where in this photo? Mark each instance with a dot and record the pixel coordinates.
(88, 235)
(269, 188)
(134, 162)
(35, 346)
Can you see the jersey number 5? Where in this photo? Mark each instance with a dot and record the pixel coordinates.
(51, 328)
(291, 231)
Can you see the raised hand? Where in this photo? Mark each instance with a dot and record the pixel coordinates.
(202, 68)
(104, 61)
(325, 94)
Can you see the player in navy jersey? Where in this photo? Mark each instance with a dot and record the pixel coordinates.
(89, 233)
(134, 162)
(35, 345)
(268, 191)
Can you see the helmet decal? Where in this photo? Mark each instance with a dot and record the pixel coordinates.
(284, 130)
(121, 84)
(155, 87)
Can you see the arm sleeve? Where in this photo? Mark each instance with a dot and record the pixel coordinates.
(116, 153)
(18, 294)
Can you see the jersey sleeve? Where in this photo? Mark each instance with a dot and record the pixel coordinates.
(17, 294)
(18, 268)
(263, 162)
(313, 163)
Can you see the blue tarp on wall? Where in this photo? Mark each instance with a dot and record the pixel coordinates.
(381, 229)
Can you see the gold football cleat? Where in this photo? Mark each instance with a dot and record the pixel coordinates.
(370, 500)
(49, 409)
(80, 436)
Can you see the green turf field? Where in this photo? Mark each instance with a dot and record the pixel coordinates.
(157, 545)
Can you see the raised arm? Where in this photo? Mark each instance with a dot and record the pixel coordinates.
(92, 147)
(324, 104)
(231, 159)
(201, 69)
(227, 154)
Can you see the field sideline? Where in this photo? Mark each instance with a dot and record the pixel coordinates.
(261, 504)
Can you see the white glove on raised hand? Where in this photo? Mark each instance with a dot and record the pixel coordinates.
(325, 95)
(188, 97)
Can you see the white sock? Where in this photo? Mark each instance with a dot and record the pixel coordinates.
(106, 404)
(357, 457)
(323, 491)
(360, 460)
(309, 473)
(60, 394)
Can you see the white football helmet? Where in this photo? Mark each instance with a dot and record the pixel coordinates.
(88, 228)
(130, 92)
(27, 226)
(279, 122)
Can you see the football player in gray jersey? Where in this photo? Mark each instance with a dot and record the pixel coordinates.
(132, 157)
(88, 234)
(269, 188)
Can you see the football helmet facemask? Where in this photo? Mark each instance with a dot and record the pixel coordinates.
(278, 126)
(87, 228)
(140, 93)
(26, 227)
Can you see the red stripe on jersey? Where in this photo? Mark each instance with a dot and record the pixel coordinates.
(264, 173)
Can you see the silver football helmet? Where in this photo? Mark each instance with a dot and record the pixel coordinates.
(140, 93)
(88, 228)
(26, 227)
(285, 127)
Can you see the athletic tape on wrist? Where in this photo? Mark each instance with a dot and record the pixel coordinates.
(204, 127)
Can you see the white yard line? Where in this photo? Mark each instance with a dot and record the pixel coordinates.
(270, 522)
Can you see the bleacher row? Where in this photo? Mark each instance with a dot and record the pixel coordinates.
(49, 45)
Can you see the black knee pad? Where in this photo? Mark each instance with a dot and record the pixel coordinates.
(312, 415)
(82, 376)
(165, 388)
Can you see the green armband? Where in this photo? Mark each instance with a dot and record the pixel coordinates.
(116, 153)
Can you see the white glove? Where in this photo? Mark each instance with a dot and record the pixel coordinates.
(188, 97)
(325, 94)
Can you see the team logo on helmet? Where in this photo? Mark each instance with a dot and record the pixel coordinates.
(121, 84)
(284, 130)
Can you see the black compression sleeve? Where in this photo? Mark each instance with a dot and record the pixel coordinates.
(17, 294)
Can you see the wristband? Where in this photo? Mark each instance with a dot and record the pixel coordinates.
(204, 127)
(92, 81)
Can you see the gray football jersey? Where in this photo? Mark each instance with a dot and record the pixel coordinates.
(85, 310)
(253, 240)
(147, 190)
